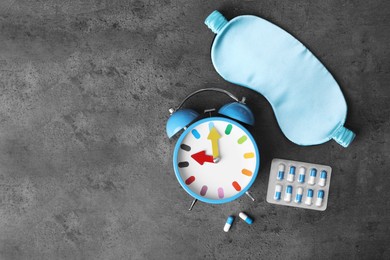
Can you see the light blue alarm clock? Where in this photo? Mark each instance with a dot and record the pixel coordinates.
(216, 159)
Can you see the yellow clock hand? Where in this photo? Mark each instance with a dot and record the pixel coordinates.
(213, 137)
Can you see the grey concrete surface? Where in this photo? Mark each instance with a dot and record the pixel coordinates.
(86, 167)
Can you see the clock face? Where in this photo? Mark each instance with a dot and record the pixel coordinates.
(216, 160)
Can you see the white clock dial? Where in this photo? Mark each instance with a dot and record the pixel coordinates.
(216, 160)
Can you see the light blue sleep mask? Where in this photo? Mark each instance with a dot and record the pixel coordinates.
(308, 103)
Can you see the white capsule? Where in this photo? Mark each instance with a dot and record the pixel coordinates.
(309, 197)
(301, 175)
(322, 181)
(291, 174)
(281, 169)
(228, 223)
(312, 176)
(298, 196)
(320, 197)
(288, 194)
(245, 217)
(278, 192)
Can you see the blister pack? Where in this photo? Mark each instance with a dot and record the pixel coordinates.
(299, 184)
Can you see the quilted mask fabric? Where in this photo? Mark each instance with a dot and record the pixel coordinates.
(307, 101)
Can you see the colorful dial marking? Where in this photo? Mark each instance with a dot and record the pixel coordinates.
(183, 164)
(195, 133)
(221, 194)
(246, 172)
(185, 147)
(190, 180)
(203, 191)
(228, 129)
(249, 155)
(236, 186)
(242, 139)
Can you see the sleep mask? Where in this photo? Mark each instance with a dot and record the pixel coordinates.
(307, 101)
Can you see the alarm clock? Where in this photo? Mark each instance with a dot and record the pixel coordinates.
(215, 159)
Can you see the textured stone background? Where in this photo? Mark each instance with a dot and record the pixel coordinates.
(86, 167)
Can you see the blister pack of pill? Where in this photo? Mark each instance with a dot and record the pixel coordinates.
(299, 184)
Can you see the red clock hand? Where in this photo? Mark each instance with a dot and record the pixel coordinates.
(201, 157)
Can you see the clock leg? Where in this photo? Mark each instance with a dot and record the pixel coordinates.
(192, 204)
(250, 196)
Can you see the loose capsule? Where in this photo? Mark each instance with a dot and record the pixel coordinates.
(301, 176)
(280, 175)
(312, 177)
(288, 193)
(320, 197)
(228, 223)
(322, 181)
(298, 196)
(309, 197)
(245, 217)
(278, 192)
(291, 174)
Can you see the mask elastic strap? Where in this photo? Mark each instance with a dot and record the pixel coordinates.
(216, 21)
(343, 136)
